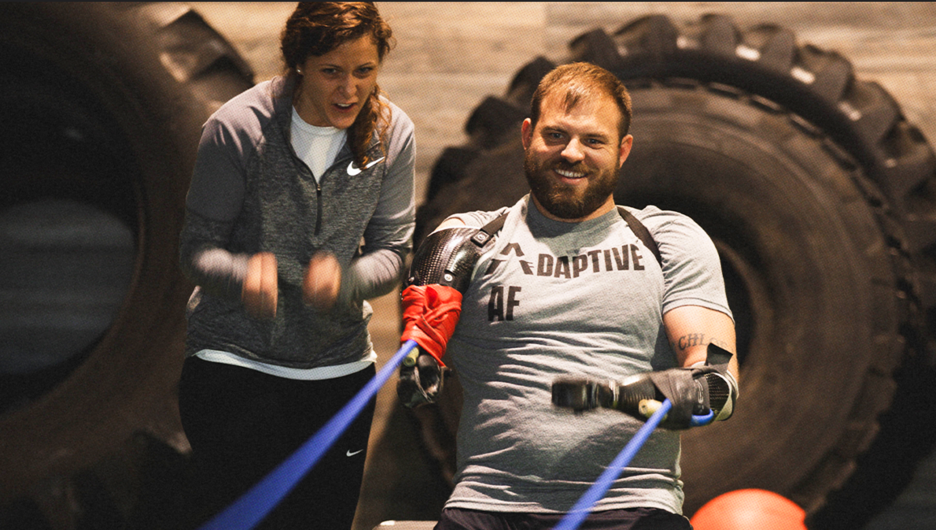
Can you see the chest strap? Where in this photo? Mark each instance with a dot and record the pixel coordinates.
(487, 231)
(641, 232)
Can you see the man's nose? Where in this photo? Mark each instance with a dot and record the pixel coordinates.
(573, 151)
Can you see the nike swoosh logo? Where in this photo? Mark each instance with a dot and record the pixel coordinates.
(354, 171)
(352, 453)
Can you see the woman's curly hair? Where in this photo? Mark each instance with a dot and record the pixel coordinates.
(316, 28)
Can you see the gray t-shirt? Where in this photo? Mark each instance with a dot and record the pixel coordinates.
(570, 299)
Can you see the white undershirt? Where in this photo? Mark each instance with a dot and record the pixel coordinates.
(305, 374)
(316, 146)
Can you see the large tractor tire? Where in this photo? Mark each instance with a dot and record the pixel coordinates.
(818, 196)
(102, 107)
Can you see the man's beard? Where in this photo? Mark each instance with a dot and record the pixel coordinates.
(562, 200)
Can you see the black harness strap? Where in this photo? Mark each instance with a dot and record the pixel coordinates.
(641, 232)
(487, 231)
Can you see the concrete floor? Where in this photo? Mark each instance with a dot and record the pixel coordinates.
(450, 55)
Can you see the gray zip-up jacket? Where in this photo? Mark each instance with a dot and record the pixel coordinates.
(250, 193)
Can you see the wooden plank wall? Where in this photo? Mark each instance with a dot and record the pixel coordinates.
(450, 55)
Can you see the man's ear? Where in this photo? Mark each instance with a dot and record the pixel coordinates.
(526, 133)
(626, 143)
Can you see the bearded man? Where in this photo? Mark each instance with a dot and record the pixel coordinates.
(565, 282)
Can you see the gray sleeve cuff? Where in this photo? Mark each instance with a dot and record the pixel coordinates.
(205, 262)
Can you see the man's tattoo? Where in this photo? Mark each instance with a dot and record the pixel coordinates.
(696, 339)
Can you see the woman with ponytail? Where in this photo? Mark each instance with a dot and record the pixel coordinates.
(301, 207)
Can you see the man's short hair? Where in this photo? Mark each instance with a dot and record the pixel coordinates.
(579, 81)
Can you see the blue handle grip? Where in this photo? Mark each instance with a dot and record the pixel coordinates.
(704, 419)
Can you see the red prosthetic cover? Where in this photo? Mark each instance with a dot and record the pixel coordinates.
(430, 313)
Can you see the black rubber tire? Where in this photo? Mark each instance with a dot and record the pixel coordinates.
(815, 190)
(137, 81)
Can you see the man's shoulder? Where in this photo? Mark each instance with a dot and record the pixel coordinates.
(659, 220)
(479, 218)
(676, 235)
(652, 213)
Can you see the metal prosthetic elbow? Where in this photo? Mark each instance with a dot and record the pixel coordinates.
(447, 257)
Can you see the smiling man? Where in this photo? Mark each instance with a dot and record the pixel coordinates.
(575, 144)
(566, 283)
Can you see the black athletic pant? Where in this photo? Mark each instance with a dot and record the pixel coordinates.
(242, 424)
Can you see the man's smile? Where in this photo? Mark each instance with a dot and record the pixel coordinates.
(570, 174)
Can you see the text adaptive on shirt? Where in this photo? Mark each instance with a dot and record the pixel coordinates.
(505, 299)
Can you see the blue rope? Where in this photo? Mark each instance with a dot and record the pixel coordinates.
(257, 503)
(579, 512)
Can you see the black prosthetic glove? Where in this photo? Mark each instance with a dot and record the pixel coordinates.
(420, 382)
(684, 387)
(692, 391)
(688, 391)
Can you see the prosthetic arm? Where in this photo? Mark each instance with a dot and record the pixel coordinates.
(439, 275)
(700, 394)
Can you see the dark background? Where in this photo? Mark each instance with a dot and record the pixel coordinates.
(450, 55)
(101, 107)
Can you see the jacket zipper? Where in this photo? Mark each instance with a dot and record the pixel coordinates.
(318, 188)
(318, 208)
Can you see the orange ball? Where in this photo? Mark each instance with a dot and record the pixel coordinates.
(749, 509)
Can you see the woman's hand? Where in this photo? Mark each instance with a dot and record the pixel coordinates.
(322, 281)
(260, 291)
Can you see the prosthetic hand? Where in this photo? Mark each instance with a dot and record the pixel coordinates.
(430, 313)
(700, 394)
(421, 378)
(260, 291)
(432, 300)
